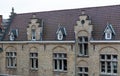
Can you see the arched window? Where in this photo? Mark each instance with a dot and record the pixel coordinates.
(33, 32)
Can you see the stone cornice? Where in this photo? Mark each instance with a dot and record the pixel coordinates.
(58, 42)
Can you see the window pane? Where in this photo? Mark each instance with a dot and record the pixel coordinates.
(60, 64)
(80, 75)
(55, 55)
(32, 63)
(36, 63)
(85, 74)
(114, 64)
(109, 57)
(12, 61)
(103, 67)
(108, 35)
(109, 67)
(80, 69)
(85, 49)
(15, 53)
(83, 71)
(102, 57)
(80, 48)
(36, 54)
(86, 39)
(55, 64)
(64, 55)
(80, 39)
(86, 69)
(11, 54)
(33, 33)
(114, 57)
(65, 64)
(60, 55)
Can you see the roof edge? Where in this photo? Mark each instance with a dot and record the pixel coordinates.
(67, 9)
(104, 41)
(61, 42)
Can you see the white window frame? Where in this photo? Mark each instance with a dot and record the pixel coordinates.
(34, 61)
(82, 44)
(60, 35)
(60, 58)
(83, 72)
(11, 59)
(11, 37)
(108, 35)
(33, 32)
(108, 60)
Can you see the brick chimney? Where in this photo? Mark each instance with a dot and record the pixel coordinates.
(0, 20)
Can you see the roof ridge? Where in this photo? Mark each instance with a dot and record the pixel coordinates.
(69, 9)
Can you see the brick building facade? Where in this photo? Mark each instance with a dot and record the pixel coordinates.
(75, 42)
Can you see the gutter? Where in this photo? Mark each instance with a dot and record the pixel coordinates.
(60, 42)
(91, 41)
(104, 41)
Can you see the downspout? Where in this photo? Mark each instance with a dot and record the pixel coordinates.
(75, 53)
(41, 33)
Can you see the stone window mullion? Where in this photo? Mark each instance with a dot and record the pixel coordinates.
(59, 62)
(34, 60)
(110, 64)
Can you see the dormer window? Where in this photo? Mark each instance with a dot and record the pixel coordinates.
(13, 34)
(61, 33)
(108, 36)
(109, 32)
(35, 29)
(33, 34)
(12, 38)
(60, 36)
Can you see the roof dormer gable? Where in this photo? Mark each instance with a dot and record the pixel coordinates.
(61, 32)
(109, 31)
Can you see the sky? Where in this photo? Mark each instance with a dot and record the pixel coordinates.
(25, 6)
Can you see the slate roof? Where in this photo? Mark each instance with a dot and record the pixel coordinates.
(99, 16)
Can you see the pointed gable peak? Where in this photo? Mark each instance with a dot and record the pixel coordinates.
(109, 29)
(62, 29)
(61, 32)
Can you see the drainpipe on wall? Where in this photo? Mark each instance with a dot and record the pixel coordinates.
(75, 52)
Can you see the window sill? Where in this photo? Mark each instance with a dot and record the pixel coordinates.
(86, 56)
(108, 75)
(11, 67)
(34, 69)
(60, 71)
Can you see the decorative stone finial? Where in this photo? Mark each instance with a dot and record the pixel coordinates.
(34, 15)
(83, 12)
(12, 9)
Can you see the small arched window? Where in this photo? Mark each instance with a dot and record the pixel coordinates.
(33, 32)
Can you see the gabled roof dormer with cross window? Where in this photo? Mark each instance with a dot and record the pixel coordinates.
(61, 32)
(109, 32)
